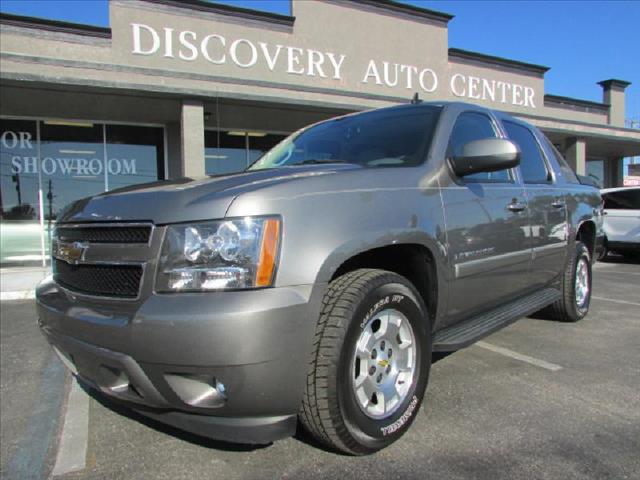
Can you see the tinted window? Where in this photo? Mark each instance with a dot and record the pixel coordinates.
(623, 200)
(384, 138)
(19, 170)
(61, 161)
(532, 165)
(258, 146)
(472, 126)
(224, 152)
(567, 171)
(134, 155)
(19, 182)
(72, 164)
(232, 151)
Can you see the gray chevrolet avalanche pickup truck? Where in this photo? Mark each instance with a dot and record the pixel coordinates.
(314, 287)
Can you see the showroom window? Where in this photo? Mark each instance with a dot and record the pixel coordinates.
(62, 161)
(230, 151)
(72, 164)
(20, 239)
(595, 170)
(134, 155)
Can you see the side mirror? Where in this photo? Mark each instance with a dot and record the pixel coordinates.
(486, 155)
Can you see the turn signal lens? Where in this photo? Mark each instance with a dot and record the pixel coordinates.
(219, 255)
(268, 252)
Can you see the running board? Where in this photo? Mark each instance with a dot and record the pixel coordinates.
(470, 331)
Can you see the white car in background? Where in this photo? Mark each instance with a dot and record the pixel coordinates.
(621, 220)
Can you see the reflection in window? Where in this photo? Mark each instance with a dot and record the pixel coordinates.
(532, 165)
(224, 152)
(259, 145)
(72, 162)
(134, 155)
(233, 151)
(19, 207)
(595, 170)
(471, 126)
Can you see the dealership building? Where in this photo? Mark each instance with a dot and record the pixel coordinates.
(186, 88)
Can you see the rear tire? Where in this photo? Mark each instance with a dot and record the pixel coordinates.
(604, 252)
(370, 362)
(575, 288)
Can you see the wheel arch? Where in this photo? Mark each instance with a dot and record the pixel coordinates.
(586, 233)
(414, 261)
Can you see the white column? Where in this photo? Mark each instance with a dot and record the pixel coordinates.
(192, 138)
(576, 155)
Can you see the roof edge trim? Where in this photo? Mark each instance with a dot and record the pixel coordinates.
(407, 9)
(499, 61)
(222, 9)
(54, 25)
(576, 102)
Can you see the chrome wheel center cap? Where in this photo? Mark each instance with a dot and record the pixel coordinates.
(384, 363)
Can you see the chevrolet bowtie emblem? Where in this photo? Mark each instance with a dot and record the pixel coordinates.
(71, 252)
(383, 363)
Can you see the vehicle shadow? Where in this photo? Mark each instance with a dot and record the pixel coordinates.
(192, 438)
(301, 434)
(626, 259)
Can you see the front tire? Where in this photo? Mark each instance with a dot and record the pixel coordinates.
(576, 288)
(370, 363)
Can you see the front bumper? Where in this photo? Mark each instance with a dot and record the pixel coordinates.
(255, 343)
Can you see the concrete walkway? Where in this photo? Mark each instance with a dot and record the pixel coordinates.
(19, 283)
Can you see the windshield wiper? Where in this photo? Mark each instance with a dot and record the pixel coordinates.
(317, 161)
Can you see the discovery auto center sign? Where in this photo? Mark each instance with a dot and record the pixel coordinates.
(228, 52)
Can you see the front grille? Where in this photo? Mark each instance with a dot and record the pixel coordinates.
(105, 234)
(102, 280)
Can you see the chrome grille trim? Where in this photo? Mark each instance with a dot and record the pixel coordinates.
(109, 254)
(148, 225)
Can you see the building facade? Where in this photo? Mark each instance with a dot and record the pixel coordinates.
(187, 88)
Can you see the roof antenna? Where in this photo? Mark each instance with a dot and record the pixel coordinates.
(416, 99)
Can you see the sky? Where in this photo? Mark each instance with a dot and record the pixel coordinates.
(583, 42)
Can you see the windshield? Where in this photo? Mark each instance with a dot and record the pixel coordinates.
(397, 138)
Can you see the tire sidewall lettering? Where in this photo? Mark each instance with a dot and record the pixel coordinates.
(383, 302)
(404, 418)
(401, 298)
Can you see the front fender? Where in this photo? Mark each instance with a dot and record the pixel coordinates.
(372, 240)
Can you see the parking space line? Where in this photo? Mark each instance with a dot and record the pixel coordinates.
(72, 450)
(614, 272)
(29, 458)
(625, 302)
(519, 356)
(612, 268)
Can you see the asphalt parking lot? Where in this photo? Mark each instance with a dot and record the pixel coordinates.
(539, 399)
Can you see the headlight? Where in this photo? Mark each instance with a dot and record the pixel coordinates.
(226, 254)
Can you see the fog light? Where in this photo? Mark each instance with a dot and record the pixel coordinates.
(114, 379)
(197, 390)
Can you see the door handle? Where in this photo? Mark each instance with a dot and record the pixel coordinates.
(558, 204)
(516, 207)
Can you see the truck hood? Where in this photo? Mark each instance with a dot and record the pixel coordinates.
(185, 199)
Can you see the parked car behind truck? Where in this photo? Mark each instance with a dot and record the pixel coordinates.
(621, 224)
(315, 286)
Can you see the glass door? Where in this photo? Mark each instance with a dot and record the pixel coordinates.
(20, 239)
(48, 164)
